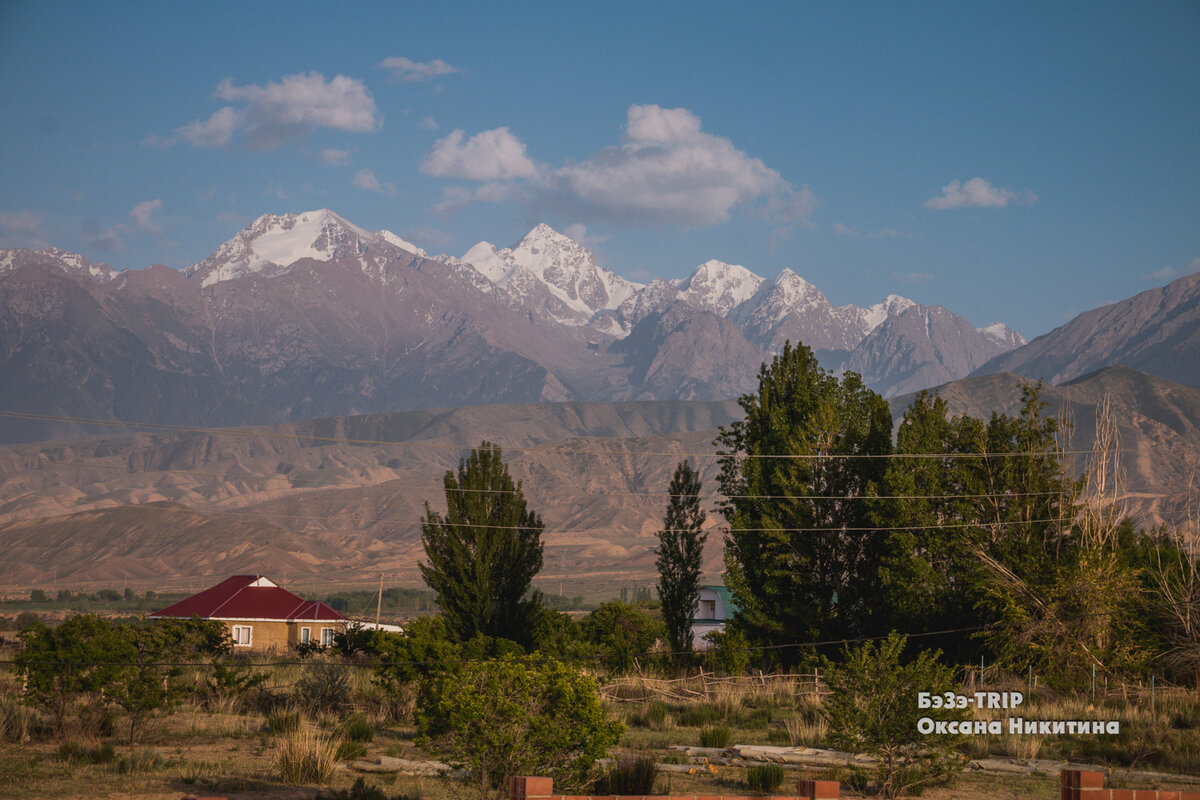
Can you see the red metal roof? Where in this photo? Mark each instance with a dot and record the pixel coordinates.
(249, 597)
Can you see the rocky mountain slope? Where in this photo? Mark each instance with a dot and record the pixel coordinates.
(306, 315)
(1157, 331)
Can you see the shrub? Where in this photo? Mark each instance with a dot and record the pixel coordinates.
(623, 634)
(324, 687)
(765, 778)
(728, 653)
(717, 736)
(873, 710)
(357, 729)
(360, 791)
(510, 717)
(630, 775)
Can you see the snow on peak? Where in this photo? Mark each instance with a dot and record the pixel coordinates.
(563, 267)
(273, 243)
(892, 305)
(64, 260)
(403, 244)
(1003, 335)
(718, 287)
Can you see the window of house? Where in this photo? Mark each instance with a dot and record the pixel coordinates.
(708, 609)
(305, 635)
(326, 637)
(242, 635)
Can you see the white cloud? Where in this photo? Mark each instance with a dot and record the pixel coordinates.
(854, 233)
(365, 179)
(107, 239)
(977, 193)
(143, 214)
(912, 277)
(334, 157)
(25, 228)
(1171, 273)
(665, 170)
(488, 156)
(428, 124)
(409, 71)
(273, 113)
(668, 170)
(216, 131)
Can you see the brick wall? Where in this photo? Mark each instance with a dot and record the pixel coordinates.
(528, 788)
(1078, 784)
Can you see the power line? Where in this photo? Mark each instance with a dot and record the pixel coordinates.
(326, 482)
(519, 448)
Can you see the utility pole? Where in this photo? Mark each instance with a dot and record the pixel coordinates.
(379, 602)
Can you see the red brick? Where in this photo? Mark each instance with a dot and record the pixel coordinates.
(1168, 794)
(1189, 796)
(1090, 780)
(1145, 794)
(1120, 794)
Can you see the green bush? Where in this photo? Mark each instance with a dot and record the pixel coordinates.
(510, 717)
(728, 653)
(623, 634)
(630, 775)
(765, 778)
(715, 736)
(873, 710)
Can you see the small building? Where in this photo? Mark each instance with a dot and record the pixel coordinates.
(261, 615)
(714, 607)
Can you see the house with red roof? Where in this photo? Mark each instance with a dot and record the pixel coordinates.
(262, 616)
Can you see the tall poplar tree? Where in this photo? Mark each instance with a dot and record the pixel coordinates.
(680, 548)
(795, 472)
(482, 555)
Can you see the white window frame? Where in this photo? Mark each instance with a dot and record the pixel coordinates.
(326, 637)
(238, 631)
(305, 635)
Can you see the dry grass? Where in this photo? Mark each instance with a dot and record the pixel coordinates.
(307, 755)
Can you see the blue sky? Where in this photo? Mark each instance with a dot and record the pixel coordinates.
(1019, 162)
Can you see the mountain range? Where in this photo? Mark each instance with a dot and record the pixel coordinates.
(340, 498)
(309, 315)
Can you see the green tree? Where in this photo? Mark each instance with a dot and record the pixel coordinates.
(623, 634)
(64, 664)
(482, 555)
(873, 709)
(931, 575)
(798, 558)
(515, 717)
(680, 549)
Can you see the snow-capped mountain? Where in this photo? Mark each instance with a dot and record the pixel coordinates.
(71, 263)
(790, 308)
(577, 287)
(272, 244)
(307, 314)
(718, 287)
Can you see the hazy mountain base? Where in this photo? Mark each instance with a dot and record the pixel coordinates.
(342, 497)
